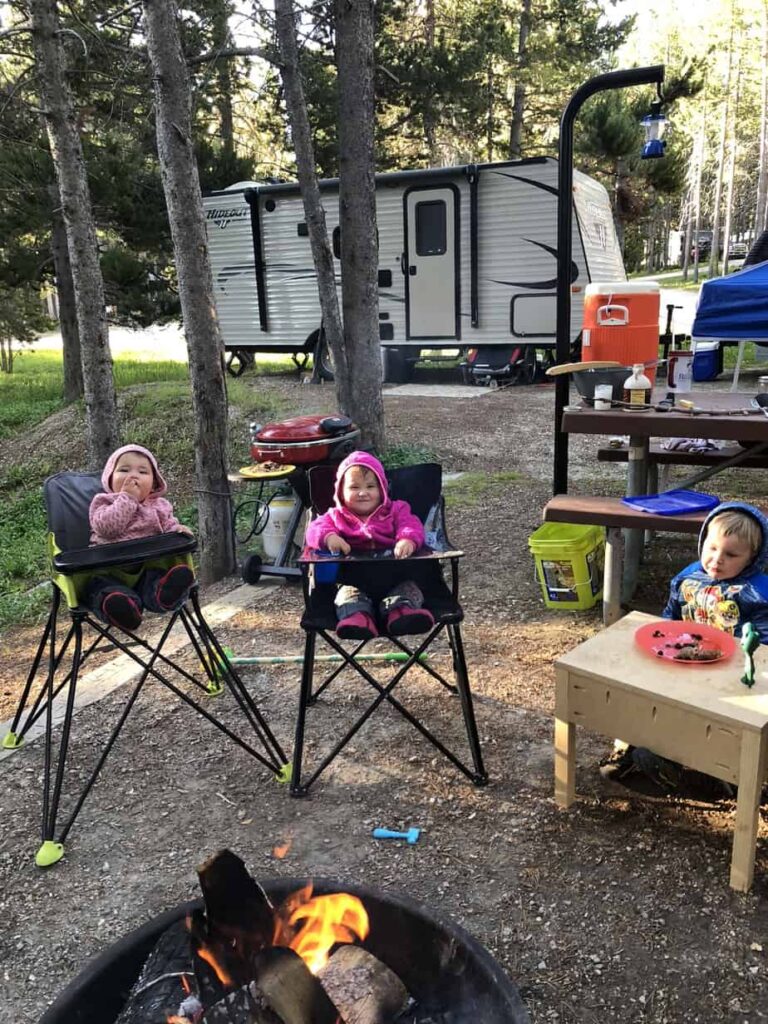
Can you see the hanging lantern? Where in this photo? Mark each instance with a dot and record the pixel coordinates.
(654, 125)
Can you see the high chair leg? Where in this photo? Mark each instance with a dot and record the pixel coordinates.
(467, 707)
(305, 696)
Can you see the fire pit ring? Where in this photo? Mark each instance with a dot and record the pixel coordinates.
(434, 957)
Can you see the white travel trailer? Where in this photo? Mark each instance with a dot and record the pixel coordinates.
(467, 258)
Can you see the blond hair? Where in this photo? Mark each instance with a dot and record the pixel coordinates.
(734, 522)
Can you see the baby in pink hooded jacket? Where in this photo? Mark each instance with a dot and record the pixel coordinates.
(132, 506)
(364, 518)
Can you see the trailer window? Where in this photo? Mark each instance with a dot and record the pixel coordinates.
(431, 228)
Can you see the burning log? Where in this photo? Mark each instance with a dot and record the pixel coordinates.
(237, 924)
(286, 993)
(365, 990)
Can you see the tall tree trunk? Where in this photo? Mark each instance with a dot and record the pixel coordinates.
(65, 290)
(696, 212)
(206, 353)
(518, 100)
(357, 211)
(620, 185)
(761, 207)
(687, 226)
(222, 39)
(67, 153)
(322, 254)
(731, 172)
(490, 124)
(714, 255)
(430, 113)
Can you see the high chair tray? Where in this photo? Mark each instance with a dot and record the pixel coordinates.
(123, 553)
(673, 503)
(311, 555)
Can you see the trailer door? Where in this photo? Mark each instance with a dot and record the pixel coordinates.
(430, 262)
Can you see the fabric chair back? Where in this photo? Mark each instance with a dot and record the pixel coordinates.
(67, 499)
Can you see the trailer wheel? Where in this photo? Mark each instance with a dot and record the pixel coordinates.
(323, 357)
(239, 360)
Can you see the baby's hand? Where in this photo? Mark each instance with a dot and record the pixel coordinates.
(132, 486)
(181, 528)
(404, 548)
(337, 545)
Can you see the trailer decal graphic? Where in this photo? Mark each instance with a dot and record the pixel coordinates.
(529, 181)
(540, 285)
(229, 273)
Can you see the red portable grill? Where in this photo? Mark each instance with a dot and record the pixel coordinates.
(294, 445)
(304, 440)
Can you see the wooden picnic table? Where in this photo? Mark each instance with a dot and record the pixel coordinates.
(725, 416)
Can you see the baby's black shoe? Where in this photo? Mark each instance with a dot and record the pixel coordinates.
(121, 610)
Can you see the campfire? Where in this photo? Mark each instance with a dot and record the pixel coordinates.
(250, 962)
(289, 952)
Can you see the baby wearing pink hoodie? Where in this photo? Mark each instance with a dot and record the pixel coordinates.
(364, 518)
(132, 506)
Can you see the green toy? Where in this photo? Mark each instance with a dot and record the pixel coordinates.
(750, 641)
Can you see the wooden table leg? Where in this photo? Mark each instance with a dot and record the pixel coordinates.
(637, 481)
(565, 745)
(751, 773)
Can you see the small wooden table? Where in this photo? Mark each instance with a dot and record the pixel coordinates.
(701, 716)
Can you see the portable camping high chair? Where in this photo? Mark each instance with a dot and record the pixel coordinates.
(73, 564)
(421, 487)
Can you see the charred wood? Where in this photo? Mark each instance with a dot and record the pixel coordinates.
(159, 989)
(237, 924)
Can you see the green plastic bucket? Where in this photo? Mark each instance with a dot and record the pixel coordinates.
(569, 564)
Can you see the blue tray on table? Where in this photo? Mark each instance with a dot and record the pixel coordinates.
(673, 503)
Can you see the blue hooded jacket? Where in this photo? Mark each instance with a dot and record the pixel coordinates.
(725, 604)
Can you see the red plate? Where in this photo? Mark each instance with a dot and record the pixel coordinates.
(660, 640)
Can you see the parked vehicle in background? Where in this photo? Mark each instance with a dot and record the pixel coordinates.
(737, 250)
(467, 258)
(704, 246)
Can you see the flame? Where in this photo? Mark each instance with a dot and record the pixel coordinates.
(311, 926)
(205, 954)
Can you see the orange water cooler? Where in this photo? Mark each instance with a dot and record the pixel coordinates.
(621, 322)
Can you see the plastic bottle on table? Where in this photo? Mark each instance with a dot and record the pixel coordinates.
(637, 387)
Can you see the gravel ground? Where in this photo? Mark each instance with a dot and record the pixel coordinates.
(617, 910)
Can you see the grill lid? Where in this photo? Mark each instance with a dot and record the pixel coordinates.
(305, 428)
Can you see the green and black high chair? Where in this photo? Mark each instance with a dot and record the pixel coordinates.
(58, 663)
(421, 487)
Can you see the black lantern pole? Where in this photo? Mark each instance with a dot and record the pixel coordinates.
(600, 83)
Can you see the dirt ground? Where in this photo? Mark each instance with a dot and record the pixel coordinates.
(616, 910)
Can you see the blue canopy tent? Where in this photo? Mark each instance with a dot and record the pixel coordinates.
(734, 308)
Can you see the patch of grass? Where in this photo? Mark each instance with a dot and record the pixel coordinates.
(23, 561)
(31, 392)
(471, 489)
(398, 455)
